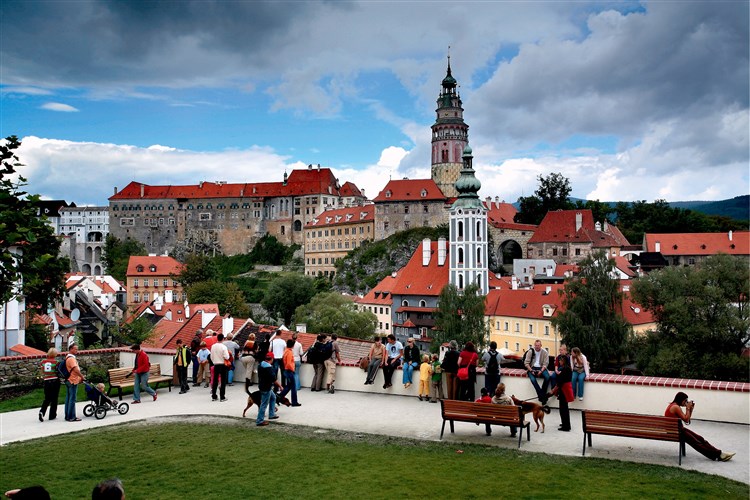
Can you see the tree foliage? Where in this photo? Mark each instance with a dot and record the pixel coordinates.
(268, 250)
(703, 320)
(460, 316)
(133, 332)
(227, 296)
(287, 293)
(197, 268)
(552, 194)
(332, 312)
(117, 254)
(591, 318)
(38, 265)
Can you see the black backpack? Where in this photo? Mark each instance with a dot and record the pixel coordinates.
(62, 369)
(314, 354)
(492, 367)
(326, 351)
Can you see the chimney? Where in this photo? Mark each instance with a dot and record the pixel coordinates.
(168, 298)
(547, 290)
(598, 226)
(514, 282)
(426, 252)
(115, 189)
(318, 167)
(142, 190)
(657, 247)
(730, 235)
(309, 167)
(442, 251)
(227, 325)
(579, 221)
(187, 310)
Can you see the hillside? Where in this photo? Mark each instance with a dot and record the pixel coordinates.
(736, 208)
(364, 267)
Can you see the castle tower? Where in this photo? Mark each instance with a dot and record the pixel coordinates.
(450, 135)
(468, 231)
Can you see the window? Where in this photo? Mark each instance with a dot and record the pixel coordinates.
(578, 251)
(406, 209)
(135, 282)
(425, 209)
(127, 221)
(165, 282)
(204, 216)
(136, 297)
(518, 327)
(506, 326)
(145, 297)
(531, 328)
(506, 344)
(145, 282)
(546, 330)
(565, 251)
(518, 347)
(554, 251)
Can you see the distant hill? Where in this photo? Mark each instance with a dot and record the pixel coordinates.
(737, 208)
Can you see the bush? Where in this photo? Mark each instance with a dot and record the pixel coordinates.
(96, 374)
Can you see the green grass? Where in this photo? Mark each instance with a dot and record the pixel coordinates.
(35, 397)
(231, 458)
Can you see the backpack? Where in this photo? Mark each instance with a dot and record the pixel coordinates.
(492, 366)
(314, 354)
(62, 369)
(326, 351)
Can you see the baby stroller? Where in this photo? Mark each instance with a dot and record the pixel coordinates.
(101, 403)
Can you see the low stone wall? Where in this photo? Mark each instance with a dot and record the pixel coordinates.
(25, 370)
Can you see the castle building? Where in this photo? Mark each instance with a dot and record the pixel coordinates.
(450, 135)
(332, 234)
(408, 203)
(468, 231)
(85, 230)
(217, 217)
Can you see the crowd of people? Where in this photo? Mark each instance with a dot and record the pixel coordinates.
(276, 363)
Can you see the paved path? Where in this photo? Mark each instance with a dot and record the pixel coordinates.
(406, 417)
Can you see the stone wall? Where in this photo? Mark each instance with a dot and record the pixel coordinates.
(16, 371)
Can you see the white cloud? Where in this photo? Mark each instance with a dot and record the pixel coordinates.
(25, 90)
(57, 106)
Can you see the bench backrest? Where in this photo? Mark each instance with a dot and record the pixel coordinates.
(117, 375)
(632, 425)
(465, 410)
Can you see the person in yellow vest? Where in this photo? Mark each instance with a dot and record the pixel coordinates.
(182, 360)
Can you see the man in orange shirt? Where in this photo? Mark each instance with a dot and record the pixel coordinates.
(71, 384)
(287, 363)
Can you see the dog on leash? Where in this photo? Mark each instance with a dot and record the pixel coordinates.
(253, 398)
(537, 411)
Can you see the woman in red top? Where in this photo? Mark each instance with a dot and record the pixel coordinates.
(695, 440)
(468, 358)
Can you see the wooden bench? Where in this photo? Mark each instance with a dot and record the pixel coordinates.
(118, 378)
(484, 413)
(634, 426)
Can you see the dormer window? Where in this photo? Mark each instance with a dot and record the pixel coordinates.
(152, 268)
(139, 268)
(388, 194)
(423, 194)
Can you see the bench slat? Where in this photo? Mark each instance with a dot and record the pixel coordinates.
(118, 378)
(483, 413)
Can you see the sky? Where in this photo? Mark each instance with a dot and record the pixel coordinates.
(628, 100)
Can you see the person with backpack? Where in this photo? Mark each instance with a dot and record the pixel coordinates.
(492, 361)
(316, 355)
(51, 385)
(72, 376)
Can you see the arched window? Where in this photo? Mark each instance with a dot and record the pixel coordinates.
(298, 225)
(460, 255)
(460, 230)
(460, 281)
(405, 303)
(422, 303)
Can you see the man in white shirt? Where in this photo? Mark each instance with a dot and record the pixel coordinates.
(219, 355)
(394, 351)
(297, 350)
(278, 346)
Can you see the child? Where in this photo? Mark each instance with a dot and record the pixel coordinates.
(485, 398)
(204, 368)
(425, 370)
(437, 379)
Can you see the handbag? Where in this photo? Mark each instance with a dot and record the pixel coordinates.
(463, 373)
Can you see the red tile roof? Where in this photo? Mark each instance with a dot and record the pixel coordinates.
(416, 279)
(300, 182)
(501, 212)
(560, 226)
(698, 243)
(523, 303)
(24, 350)
(165, 266)
(381, 294)
(340, 216)
(624, 265)
(410, 190)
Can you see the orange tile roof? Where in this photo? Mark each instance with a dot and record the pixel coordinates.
(523, 303)
(341, 216)
(165, 266)
(24, 350)
(698, 243)
(300, 182)
(624, 265)
(501, 212)
(381, 294)
(410, 190)
(416, 279)
(560, 226)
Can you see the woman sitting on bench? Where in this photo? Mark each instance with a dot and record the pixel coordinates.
(695, 440)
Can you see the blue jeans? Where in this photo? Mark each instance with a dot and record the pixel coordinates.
(267, 400)
(289, 385)
(541, 392)
(195, 368)
(297, 368)
(408, 369)
(578, 379)
(141, 383)
(490, 382)
(70, 400)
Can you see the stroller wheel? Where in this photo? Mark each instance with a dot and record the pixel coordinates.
(88, 410)
(100, 413)
(123, 408)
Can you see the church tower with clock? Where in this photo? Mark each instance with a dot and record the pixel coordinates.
(450, 135)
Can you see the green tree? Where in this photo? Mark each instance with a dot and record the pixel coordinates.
(702, 320)
(35, 259)
(227, 296)
(590, 318)
(117, 254)
(197, 268)
(268, 250)
(287, 293)
(133, 332)
(332, 312)
(552, 194)
(460, 316)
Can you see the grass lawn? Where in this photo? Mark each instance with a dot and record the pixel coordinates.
(34, 398)
(227, 458)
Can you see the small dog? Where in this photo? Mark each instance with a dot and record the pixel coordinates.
(254, 399)
(536, 410)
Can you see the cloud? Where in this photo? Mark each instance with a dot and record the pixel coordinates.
(57, 106)
(25, 90)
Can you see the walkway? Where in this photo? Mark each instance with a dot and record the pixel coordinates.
(406, 417)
